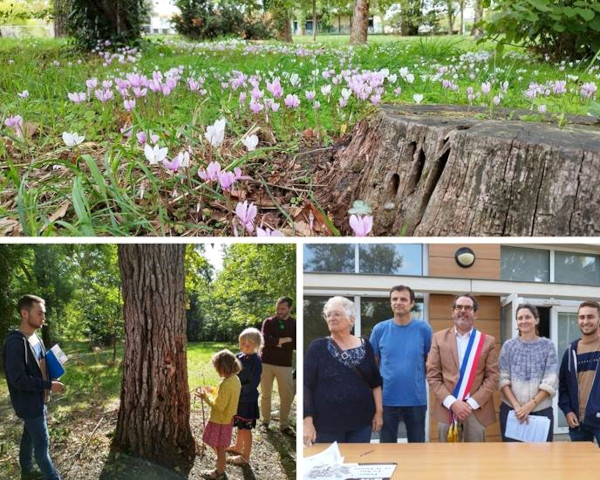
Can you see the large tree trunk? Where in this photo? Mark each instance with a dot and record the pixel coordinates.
(360, 23)
(432, 171)
(61, 16)
(155, 402)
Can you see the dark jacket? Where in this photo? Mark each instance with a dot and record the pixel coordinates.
(249, 376)
(23, 376)
(568, 389)
(271, 332)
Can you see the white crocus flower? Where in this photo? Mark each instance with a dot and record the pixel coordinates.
(155, 154)
(72, 139)
(250, 142)
(215, 133)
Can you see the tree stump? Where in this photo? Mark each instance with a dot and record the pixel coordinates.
(439, 171)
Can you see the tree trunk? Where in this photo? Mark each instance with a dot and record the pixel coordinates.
(61, 16)
(155, 402)
(314, 6)
(360, 23)
(433, 171)
(450, 18)
(475, 31)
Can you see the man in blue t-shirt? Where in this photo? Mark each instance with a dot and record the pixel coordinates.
(401, 345)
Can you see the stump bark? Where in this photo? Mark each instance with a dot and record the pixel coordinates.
(438, 171)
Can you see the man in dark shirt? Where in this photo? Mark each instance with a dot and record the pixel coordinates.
(279, 333)
(30, 385)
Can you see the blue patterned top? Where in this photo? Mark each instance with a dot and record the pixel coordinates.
(528, 366)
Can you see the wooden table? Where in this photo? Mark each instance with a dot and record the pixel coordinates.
(478, 461)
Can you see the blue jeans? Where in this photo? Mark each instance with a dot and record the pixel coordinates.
(584, 433)
(360, 435)
(414, 419)
(35, 441)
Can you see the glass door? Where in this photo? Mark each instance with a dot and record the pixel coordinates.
(564, 329)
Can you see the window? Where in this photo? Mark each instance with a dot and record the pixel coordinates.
(329, 258)
(390, 259)
(524, 264)
(576, 268)
(314, 324)
(373, 259)
(375, 310)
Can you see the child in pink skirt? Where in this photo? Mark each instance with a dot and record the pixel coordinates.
(223, 402)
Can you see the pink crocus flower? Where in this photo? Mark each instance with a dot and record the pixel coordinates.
(211, 173)
(291, 101)
(275, 88)
(182, 160)
(361, 225)
(129, 105)
(486, 87)
(310, 95)
(246, 213)
(77, 97)
(255, 106)
(267, 232)
(226, 180)
(23, 94)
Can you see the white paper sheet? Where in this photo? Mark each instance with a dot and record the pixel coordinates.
(328, 465)
(534, 431)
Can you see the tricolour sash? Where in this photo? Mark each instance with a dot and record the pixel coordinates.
(467, 375)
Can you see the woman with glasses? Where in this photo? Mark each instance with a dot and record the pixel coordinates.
(342, 385)
(528, 372)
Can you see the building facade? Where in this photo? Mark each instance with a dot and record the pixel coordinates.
(554, 277)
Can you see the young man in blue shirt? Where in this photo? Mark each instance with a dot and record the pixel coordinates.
(401, 345)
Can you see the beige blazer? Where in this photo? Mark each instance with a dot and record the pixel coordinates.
(443, 372)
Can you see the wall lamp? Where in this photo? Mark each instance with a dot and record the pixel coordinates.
(465, 257)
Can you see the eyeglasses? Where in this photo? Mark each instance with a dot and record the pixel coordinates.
(466, 308)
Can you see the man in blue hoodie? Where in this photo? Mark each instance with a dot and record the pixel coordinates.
(579, 378)
(29, 385)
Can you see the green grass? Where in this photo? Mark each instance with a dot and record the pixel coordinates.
(105, 186)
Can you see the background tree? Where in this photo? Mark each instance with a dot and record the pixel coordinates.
(198, 287)
(154, 412)
(360, 23)
(60, 14)
(117, 21)
(244, 292)
(10, 257)
(281, 11)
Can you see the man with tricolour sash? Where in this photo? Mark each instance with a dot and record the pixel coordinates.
(462, 372)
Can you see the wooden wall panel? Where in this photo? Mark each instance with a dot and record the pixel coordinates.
(487, 262)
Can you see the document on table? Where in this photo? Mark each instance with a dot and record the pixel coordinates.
(328, 465)
(534, 431)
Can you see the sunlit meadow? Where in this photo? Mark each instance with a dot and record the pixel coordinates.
(215, 139)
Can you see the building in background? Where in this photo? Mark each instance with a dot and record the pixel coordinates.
(554, 277)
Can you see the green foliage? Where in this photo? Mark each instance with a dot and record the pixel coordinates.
(204, 20)
(245, 291)
(19, 13)
(558, 29)
(92, 22)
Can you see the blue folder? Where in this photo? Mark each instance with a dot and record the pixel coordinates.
(54, 367)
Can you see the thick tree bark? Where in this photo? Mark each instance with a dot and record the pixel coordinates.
(155, 402)
(360, 23)
(61, 16)
(435, 172)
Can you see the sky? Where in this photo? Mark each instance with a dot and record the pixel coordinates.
(213, 252)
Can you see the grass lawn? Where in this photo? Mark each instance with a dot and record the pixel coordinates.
(83, 419)
(148, 121)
